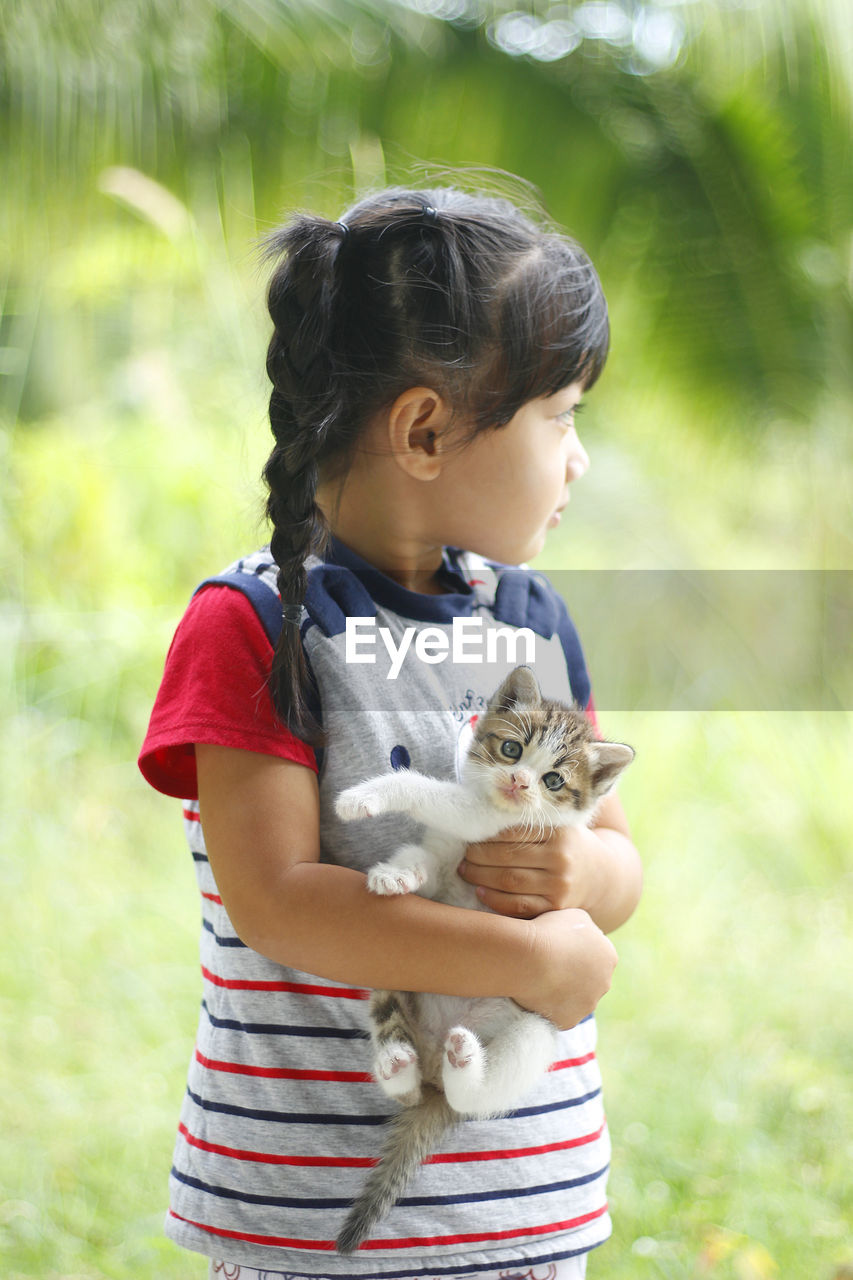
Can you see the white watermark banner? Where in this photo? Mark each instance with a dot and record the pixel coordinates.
(654, 640)
(715, 640)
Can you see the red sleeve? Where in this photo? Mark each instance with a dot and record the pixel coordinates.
(214, 689)
(592, 717)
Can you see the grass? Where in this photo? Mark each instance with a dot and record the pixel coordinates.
(726, 1042)
(725, 1045)
(98, 1010)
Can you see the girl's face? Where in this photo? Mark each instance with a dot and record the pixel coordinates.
(502, 493)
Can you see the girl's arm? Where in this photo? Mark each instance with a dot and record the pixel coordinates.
(260, 816)
(596, 868)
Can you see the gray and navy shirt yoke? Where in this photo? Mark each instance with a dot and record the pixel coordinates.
(281, 1118)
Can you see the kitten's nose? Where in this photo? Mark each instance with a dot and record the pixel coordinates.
(518, 782)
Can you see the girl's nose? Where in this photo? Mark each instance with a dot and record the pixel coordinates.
(577, 463)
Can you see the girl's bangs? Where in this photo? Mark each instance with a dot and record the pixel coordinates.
(552, 331)
(570, 333)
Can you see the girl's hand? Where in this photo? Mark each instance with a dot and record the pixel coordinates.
(596, 868)
(573, 963)
(520, 877)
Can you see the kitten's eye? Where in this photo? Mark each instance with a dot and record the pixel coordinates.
(511, 749)
(553, 781)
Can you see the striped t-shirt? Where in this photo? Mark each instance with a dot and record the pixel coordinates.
(282, 1120)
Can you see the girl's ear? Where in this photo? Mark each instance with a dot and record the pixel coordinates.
(417, 425)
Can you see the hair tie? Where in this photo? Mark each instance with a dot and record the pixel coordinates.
(291, 613)
(345, 228)
(429, 215)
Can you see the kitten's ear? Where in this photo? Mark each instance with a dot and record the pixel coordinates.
(607, 760)
(520, 687)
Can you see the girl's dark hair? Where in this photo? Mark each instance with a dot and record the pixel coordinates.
(463, 293)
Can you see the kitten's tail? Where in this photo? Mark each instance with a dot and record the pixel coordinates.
(414, 1134)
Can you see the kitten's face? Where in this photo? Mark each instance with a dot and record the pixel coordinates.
(533, 765)
(539, 760)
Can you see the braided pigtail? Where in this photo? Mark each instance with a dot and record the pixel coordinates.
(462, 293)
(300, 364)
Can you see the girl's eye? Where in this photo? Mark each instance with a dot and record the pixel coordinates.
(511, 749)
(552, 781)
(567, 418)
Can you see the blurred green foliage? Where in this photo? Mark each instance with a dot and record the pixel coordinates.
(701, 153)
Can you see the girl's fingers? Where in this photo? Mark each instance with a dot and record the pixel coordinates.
(505, 879)
(519, 906)
(510, 849)
(523, 892)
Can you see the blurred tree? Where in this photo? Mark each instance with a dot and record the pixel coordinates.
(699, 150)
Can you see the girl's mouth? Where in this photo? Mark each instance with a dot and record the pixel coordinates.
(555, 518)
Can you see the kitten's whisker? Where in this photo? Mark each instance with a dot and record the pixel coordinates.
(509, 724)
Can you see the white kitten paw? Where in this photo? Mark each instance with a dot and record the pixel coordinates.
(462, 1048)
(361, 801)
(398, 1071)
(462, 1069)
(388, 880)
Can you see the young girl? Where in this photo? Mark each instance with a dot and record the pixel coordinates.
(428, 355)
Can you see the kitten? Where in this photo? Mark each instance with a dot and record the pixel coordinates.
(534, 762)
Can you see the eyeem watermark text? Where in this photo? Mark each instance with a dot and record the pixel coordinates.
(468, 642)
